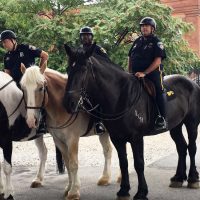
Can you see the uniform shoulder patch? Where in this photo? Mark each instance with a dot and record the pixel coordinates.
(103, 50)
(7, 58)
(31, 47)
(160, 45)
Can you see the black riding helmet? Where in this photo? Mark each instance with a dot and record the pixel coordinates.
(148, 21)
(86, 30)
(7, 34)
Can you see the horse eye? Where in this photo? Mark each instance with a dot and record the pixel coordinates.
(41, 89)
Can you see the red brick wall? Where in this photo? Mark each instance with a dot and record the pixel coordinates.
(189, 11)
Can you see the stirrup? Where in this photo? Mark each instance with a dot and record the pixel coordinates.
(99, 128)
(161, 124)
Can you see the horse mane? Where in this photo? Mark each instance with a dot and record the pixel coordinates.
(107, 61)
(33, 75)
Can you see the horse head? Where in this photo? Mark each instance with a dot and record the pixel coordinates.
(79, 76)
(34, 87)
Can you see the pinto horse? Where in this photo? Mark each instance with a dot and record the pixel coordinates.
(13, 127)
(45, 88)
(128, 113)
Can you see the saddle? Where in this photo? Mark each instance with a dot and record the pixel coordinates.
(151, 90)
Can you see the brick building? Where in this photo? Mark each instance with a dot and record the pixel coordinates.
(189, 11)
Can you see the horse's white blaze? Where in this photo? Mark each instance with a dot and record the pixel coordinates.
(31, 113)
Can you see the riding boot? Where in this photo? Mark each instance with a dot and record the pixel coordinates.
(161, 122)
(42, 128)
(99, 128)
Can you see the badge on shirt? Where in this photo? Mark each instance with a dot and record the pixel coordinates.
(32, 47)
(160, 45)
(21, 54)
(150, 45)
(135, 46)
(103, 50)
(7, 58)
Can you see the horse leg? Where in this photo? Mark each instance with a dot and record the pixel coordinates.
(66, 154)
(120, 146)
(60, 162)
(1, 186)
(138, 153)
(7, 168)
(107, 151)
(42, 151)
(74, 192)
(193, 177)
(181, 146)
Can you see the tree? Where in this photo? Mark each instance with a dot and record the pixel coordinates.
(49, 24)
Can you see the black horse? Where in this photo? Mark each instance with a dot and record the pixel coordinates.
(128, 112)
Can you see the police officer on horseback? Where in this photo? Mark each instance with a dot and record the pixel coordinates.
(18, 54)
(145, 60)
(86, 38)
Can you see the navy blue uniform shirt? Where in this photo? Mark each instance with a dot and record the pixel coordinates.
(98, 50)
(25, 54)
(143, 52)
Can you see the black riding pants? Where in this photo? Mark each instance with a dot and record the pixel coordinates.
(157, 78)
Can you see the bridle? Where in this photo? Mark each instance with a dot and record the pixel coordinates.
(18, 105)
(84, 98)
(43, 100)
(68, 122)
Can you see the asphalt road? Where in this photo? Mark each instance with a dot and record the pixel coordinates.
(157, 174)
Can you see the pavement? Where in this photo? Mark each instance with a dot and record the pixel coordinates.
(157, 175)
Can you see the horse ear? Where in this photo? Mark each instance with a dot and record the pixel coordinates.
(68, 50)
(22, 68)
(43, 67)
(90, 51)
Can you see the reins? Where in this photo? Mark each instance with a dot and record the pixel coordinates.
(67, 123)
(84, 98)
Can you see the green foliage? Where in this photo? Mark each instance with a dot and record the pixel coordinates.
(49, 24)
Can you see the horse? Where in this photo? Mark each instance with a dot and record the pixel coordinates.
(13, 127)
(129, 113)
(44, 87)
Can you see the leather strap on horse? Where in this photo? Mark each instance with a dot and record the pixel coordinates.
(90, 125)
(69, 122)
(6, 84)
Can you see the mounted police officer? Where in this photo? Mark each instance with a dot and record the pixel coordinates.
(18, 54)
(86, 38)
(145, 60)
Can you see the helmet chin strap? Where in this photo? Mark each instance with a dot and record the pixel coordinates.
(152, 32)
(14, 44)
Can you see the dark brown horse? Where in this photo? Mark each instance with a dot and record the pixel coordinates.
(129, 113)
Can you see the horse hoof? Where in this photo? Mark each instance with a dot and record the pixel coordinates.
(103, 181)
(194, 185)
(10, 198)
(145, 198)
(36, 184)
(73, 196)
(174, 184)
(2, 196)
(123, 198)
